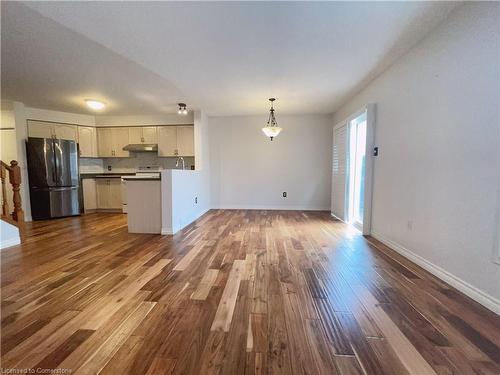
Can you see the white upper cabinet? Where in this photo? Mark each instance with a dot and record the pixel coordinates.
(64, 131)
(143, 134)
(176, 141)
(87, 141)
(39, 129)
(111, 142)
(108, 142)
(105, 142)
(42, 129)
(167, 141)
(135, 135)
(120, 139)
(185, 140)
(149, 134)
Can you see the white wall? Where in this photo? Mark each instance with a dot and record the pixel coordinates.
(166, 119)
(57, 116)
(250, 171)
(186, 194)
(9, 235)
(8, 144)
(182, 199)
(437, 129)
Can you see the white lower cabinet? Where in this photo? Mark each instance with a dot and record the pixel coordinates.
(89, 194)
(109, 193)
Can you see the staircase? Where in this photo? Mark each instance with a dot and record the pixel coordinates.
(13, 171)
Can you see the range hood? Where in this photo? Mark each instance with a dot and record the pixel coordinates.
(141, 147)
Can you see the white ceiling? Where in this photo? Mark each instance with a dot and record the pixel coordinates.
(224, 57)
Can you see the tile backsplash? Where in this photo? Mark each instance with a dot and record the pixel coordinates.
(124, 165)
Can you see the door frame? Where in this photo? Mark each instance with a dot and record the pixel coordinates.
(369, 164)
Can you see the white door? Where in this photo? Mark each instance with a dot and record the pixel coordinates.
(357, 162)
(339, 171)
(352, 172)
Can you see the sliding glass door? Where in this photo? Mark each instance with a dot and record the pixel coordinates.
(352, 169)
(357, 157)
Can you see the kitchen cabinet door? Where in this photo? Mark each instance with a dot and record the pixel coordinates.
(149, 134)
(102, 192)
(105, 142)
(120, 140)
(135, 135)
(115, 193)
(87, 141)
(185, 140)
(167, 141)
(89, 194)
(38, 129)
(65, 131)
(143, 134)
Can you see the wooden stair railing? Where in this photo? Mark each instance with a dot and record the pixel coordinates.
(15, 180)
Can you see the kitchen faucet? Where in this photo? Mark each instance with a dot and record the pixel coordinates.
(180, 158)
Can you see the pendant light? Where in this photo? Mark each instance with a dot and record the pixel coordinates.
(272, 129)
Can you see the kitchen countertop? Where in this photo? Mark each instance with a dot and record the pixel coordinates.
(105, 175)
(140, 178)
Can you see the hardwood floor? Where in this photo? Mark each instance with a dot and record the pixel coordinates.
(237, 292)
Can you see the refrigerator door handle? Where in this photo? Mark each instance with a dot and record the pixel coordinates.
(63, 188)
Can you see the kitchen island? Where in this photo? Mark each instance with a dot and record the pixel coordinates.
(144, 204)
(165, 203)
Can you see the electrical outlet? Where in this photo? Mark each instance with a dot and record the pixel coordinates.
(109, 167)
(195, 200)
(284, 194)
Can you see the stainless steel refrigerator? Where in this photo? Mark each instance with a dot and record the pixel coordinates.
(53, 177)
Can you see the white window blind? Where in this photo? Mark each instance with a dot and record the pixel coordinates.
(339, 171)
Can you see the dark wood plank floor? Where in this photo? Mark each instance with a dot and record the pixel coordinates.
(237, 292)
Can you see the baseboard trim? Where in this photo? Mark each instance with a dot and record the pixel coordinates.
(469, 290)
(8, 243)
(272, 208)
(166, 231)
(170, 231)
(336, 217)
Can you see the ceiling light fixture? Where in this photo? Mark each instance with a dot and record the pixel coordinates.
(96, 105)
(272, 129)
(182, 109)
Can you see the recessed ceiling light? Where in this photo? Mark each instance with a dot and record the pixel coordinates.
(94, 104)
